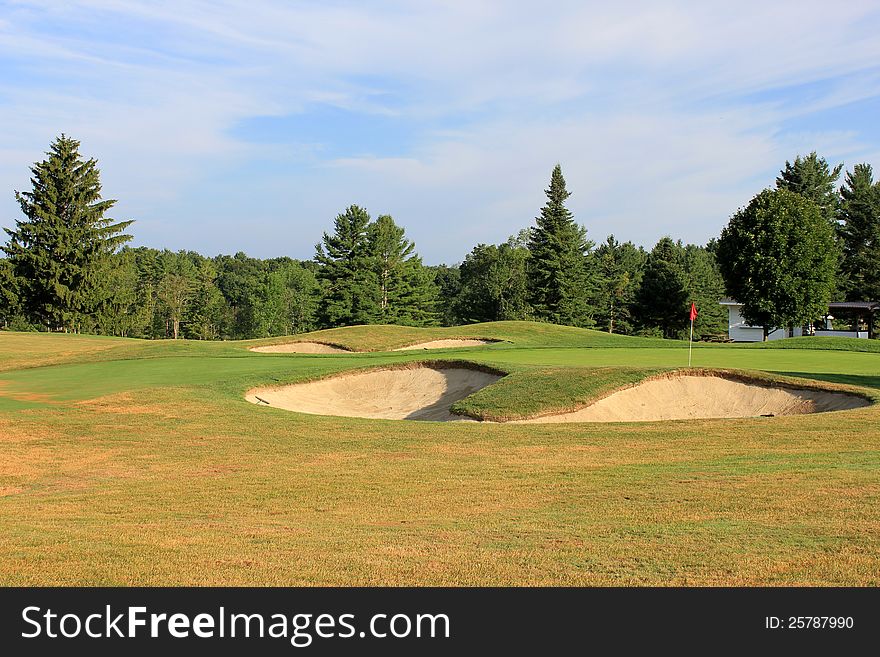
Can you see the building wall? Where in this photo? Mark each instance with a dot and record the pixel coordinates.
(741, 331)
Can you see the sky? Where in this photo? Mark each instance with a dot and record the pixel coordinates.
(228, 126)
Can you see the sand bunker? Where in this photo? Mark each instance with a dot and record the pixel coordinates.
(445, 344)
(420, 393)
(690, 397)
(301, 348)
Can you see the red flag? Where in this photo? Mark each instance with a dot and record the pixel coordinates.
(693, 311)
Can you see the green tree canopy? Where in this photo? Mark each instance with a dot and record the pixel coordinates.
(814, 179)
(347, 272)
(705, 288)
(406, 290)
(662, 300)
(493, 283)
(860, 235)
(778, 258)
(8, 293)
(560, 280)
(620, 268)
(61, 251)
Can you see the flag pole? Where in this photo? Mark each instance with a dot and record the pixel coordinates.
(691, 341)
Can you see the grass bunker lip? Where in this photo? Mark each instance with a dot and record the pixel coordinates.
(449, 343)
(320, 347)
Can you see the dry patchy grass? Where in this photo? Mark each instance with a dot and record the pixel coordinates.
(179, 487)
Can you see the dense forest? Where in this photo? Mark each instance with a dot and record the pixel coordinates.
(67, 267)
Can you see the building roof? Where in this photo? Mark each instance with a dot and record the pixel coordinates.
(865, 306)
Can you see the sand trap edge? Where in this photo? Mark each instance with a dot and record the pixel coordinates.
(741, 376)
(278, 348)
(436, 364)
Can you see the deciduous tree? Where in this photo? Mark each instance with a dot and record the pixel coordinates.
(778, 258)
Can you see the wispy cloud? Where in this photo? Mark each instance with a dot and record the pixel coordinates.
(665, 117)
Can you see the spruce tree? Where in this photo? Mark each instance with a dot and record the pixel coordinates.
(860, 234)
(560, 282)
(662, 300)
(347, 272)
(8, 293)
(62, 249)
(705, 288)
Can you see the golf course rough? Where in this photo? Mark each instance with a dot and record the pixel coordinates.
(140, 463)
(427, 392)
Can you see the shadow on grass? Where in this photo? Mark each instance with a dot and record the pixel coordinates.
(850, 379)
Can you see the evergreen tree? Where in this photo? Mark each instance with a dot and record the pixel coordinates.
(406, 292)
(814, 179)
(560, 282)
(860, 235)
(778, 258)
(61, 251)
(8, 293)
(662, 300)
(448, 283)
(705, 288)
(620, 268)
(347, 272)
(118, 314)
(204, 312)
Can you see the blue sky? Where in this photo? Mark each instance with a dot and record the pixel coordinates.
(247, 126)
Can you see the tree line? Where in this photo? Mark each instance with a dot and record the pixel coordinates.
(68, 268)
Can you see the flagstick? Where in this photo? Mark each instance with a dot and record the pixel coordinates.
(691, 343)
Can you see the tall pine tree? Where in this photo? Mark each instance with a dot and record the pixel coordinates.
(406, 292)
(61, 251)
(560, 281)
(860, 235)
(347, 272)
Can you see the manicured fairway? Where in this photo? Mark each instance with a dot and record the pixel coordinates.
(140, 463)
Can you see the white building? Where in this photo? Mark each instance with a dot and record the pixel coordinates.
(739, 330)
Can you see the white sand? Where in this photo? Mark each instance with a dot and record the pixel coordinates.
(301, 348)
(445, 344)
(419, 393)
(691, 397)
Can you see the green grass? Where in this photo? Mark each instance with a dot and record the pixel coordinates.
(132, 462)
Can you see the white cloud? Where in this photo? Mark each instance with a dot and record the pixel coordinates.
(645, 106)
